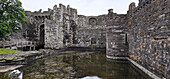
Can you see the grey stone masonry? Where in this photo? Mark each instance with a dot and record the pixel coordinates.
(116, 45)
(149, 35)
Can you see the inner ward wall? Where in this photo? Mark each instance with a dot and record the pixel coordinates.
(91, 30)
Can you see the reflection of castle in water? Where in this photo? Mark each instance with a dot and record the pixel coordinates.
(15, 74)
(78, 65)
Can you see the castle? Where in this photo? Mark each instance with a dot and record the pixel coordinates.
(143, 34)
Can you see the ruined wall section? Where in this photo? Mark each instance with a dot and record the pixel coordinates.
(149, 35)
(51, 35)
(91, 38)
(66, 17)
(91, 31)
(31, 30)
(89, 22)
(63, 18)
(116, 45)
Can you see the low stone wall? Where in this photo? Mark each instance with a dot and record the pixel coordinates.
(85, 49)
(23, 58)
(136, 65)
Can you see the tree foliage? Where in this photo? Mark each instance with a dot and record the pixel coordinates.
(11, 14)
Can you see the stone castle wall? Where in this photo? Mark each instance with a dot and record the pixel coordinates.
(46, 28)
(149, 35)
(116, 44)
(91, 30)
(51, 38)
(91, 38)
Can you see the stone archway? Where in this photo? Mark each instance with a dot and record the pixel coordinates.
(42, 35)
(73, 28)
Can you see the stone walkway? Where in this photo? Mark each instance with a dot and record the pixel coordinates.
(15, 60)
(21, 55)
(13, 55)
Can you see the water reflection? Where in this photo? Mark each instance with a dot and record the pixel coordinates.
(73, 64)
(15, 74)
(91, 77)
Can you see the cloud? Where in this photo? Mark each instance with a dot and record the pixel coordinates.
(84, 7)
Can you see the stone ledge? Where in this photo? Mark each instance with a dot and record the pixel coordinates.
(23, 58)
(117, 58)
(8, 68)
(152, 75)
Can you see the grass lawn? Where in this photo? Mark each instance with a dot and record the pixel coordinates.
(7, 51)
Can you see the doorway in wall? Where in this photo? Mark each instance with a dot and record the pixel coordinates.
(42, 36)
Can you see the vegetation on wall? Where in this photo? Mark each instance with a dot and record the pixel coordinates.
(11, 15)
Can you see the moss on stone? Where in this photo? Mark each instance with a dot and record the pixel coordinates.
(7, 51)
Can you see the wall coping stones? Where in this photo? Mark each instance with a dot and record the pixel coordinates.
(152, 75)
(8, 68)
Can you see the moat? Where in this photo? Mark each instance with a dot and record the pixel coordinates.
(76, 64)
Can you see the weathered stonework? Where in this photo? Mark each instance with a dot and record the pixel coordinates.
(116, 45)
(51, 34)
(92, 29)
(91, 38)
(49, 28)
(149, 30)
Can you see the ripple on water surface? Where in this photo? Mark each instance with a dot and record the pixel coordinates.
(81, 65)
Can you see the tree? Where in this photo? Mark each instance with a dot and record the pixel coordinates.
(11, 14)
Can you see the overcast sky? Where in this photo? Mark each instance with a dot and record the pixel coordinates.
(84, 7)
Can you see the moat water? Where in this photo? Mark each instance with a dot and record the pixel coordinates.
(78, 65)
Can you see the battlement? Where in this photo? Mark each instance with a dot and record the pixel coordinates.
(61, 9)
(147, 3)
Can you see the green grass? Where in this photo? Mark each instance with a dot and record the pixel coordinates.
(7, 51)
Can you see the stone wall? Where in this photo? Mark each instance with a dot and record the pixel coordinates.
(91, 38)
(33, 30)
(91, 30)
(50, 28)
(72, 29)
(116, 45)
(51, 34)
(149, 35)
